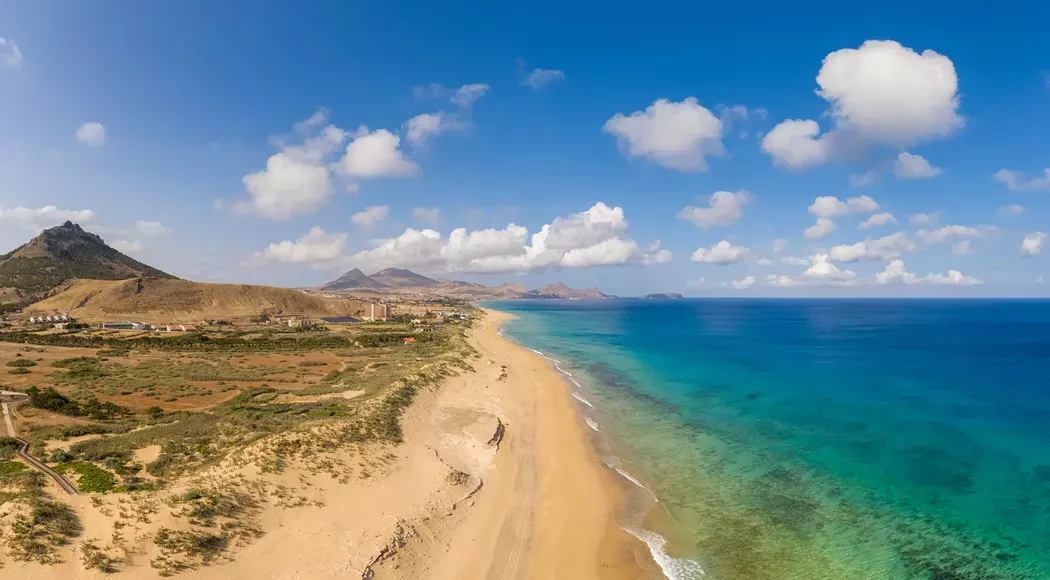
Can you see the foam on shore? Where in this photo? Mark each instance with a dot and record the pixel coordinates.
(671, 567)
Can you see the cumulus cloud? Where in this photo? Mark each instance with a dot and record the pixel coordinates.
(723, 253)
(885, 248)
(829, 206)
(1032, 245)
(423, 127)
(1013, 209)
(819, 230)
(127, 246)
(882, 93)
(725, 208)
(796, 144)
(543, 76)
(594, 237)
(743, 284)
(372, 154)
(1017, 180)
(316, 246)
(879, 219)
(910, 166)
(93, 134)
(821, 272)
(463, 97)
(424, 214)
(148, 228)
(947, 234)
(10, 54)
(370, 215)
(44, 217)
(896, 273)
(924, 219)
(677, 136)
(296, 179)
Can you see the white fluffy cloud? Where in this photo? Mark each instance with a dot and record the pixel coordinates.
(829, 206)
(315, 246)
(1032, 244)
(819, 230)
(796, 144)
(287, 186)
(896, 273)
(881, 93)
(10, 54)
(466, 95)
(723, 253)
(372, 154)
(1017, 180)
(910, 166)
(726, 208)
(885, 248)
(1013, 209)
(422, 127)
(678, 136)
(148, 228)
(370, 215)
(542, 76)
(127, 246)
(426, 214)
(947, 234)
(92, 133)
(879, 219)
(296, 179)
(594, 237)
(44, 217)
(821, 272)
(743, 284)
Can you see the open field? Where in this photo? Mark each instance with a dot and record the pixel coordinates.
(181, 443)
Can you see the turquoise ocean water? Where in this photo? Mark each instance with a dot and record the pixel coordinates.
(812, 439)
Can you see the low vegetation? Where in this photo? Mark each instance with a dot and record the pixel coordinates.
(266, 396)
(90, 477)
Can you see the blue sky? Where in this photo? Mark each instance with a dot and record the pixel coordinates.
(645, 109)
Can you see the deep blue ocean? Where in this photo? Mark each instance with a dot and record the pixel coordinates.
(821, 439)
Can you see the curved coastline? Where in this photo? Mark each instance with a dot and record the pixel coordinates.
(631, 511)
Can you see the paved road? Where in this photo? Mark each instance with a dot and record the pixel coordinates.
(8, 400)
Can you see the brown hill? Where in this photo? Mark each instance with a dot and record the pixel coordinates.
(401, 278)
(560, 290)
(173, 300)
(65, 252)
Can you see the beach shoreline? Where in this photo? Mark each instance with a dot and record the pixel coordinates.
(549, 506)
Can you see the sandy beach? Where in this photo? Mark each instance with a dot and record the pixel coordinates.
(496, 479)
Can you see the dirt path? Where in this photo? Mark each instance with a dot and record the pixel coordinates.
(9, 400)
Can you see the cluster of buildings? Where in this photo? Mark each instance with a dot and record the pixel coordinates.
(129, 325)
(49, 319)
(377, 311)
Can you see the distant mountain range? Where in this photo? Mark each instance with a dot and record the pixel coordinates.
(60, 254)
(48, 265)
(401, 281)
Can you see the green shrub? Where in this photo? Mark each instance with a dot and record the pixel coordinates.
(92, 477)
(10, 468)
(49, 524)
(21, 363)
(8, 447)
(18, 371)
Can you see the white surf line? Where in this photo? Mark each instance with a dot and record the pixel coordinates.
(7, 419)
(591, 423)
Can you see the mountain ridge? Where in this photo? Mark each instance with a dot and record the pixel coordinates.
(66, 252)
